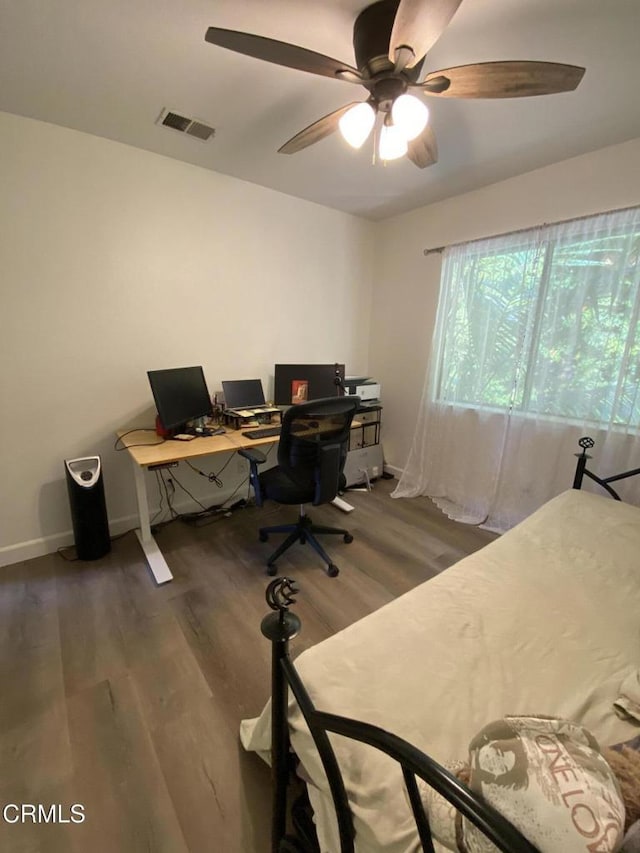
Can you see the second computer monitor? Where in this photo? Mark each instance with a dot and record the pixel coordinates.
(243, 393)
(296, 383)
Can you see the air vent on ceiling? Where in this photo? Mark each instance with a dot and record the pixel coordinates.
(190, 126)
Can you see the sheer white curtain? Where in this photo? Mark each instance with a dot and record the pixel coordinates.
(537, 343)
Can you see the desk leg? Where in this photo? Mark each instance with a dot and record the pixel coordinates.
(152, 552)
(341, 504)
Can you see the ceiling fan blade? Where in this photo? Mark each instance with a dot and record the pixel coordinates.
(515, 79)
(434, 85)
(423, 150)
(325, 126)
(418, 25)
(282, 53)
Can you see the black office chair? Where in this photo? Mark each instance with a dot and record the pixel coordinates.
(313, 448)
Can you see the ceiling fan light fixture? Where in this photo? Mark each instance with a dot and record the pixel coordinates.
(410, 115)
(391, 39)
(356, 124)
(393, 143)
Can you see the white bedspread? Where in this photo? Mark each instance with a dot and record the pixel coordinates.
(545, 620)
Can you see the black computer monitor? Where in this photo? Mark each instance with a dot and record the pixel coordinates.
(180, 394)
(242, 393)
(295, 383)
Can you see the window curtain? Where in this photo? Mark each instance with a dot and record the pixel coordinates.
(536, 344)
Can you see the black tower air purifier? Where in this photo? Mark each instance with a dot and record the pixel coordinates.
(88, 507)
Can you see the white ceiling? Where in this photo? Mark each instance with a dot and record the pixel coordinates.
(109, 67)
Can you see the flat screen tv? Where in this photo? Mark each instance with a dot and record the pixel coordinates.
(181, 395)
(296, 383)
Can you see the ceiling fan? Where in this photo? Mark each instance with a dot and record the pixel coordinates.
(391, 39)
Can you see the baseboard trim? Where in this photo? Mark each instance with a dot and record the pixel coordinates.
(29, 549)
(393, 469)
(32, 548)
(22, 551)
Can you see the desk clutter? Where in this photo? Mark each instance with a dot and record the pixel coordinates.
(231, 422)
(186, 408)
(245, 405)
(245, 418)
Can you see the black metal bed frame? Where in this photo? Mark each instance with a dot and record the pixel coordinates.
(280, 626)
(582, 471)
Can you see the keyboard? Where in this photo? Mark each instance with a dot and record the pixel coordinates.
(263, 432)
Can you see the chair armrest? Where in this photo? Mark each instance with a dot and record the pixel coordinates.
(255, 458)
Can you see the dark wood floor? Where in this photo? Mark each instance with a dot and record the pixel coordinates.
(126, 697)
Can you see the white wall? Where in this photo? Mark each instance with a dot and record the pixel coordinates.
(406, 282)
(116, 261)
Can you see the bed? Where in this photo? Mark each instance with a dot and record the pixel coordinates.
(544, 620)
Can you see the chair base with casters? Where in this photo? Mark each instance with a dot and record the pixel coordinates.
(312, 451)
(303, 531)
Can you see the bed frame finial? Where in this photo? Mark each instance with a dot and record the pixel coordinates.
(281, 625)
(586, 443)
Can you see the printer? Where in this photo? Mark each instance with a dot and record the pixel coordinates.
(362, 386)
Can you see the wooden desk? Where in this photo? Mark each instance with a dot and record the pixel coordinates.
(142, 457)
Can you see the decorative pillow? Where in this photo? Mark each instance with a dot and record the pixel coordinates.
(624, 760)
(442, 815)
(549, 778)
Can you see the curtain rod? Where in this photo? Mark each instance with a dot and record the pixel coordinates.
(439, 249)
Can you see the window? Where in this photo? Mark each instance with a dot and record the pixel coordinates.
(545, 322)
